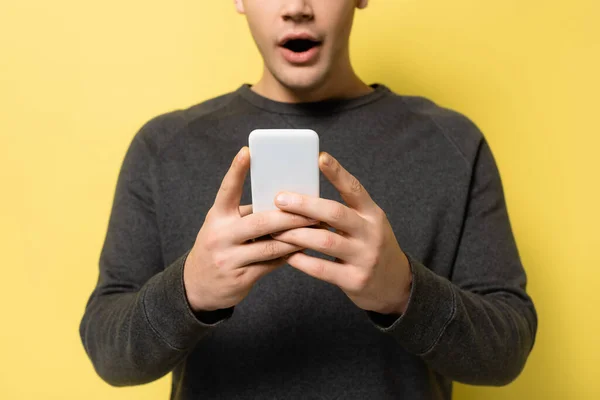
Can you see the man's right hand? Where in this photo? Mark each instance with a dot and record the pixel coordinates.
(225, 261)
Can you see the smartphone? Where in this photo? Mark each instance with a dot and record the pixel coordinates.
(282, 159)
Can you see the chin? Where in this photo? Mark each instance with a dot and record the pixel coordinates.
(301, 81)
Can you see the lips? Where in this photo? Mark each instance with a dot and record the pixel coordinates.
(300, 48)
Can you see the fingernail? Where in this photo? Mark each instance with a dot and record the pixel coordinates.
(284, 199)
(240, 156)
(325, 159)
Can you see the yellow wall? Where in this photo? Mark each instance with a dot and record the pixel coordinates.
(77, 79)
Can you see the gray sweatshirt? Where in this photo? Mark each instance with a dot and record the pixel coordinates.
(469, 318)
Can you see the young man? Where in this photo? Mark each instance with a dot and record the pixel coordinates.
(417, 283)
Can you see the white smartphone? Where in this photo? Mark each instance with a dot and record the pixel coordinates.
(282, 159)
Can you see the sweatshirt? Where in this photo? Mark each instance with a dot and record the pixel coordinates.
(469, 318)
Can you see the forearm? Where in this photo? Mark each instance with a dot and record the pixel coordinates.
(137, 337)
(474, 338)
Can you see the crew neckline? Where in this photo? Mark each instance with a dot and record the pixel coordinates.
(328, 107)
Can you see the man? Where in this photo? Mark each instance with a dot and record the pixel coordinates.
(403, 277)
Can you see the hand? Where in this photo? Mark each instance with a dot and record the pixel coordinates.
(225, 262)
(370, 267)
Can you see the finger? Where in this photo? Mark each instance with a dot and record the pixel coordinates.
(331, 212)
(320, 240)
(352, 191)
(325, 270)
(259, 224)
(245, 210)
(230, 192)
(265, 250)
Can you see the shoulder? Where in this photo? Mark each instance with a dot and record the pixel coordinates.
(452, 126)
(164, 128)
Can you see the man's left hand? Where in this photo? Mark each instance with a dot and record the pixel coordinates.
(370, 267)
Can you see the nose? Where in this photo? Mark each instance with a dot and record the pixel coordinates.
(297, 10)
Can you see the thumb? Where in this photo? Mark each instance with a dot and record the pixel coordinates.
(230, 193)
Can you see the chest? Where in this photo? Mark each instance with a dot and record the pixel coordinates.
(412, 176)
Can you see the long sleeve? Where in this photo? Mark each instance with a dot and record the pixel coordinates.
(479, 326)
(137, 323)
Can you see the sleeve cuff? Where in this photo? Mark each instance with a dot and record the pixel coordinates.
(169, 313)
(431, 307)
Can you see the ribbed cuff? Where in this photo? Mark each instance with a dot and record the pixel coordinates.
(431, 307)
(168, 311)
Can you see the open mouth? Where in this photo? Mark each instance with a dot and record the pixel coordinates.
(300, 45)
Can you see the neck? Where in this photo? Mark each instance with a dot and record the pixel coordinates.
(342, 84)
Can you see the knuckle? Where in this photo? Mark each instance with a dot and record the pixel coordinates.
(338, 212)
(361, 281)
(269, 249)
(328, 241)
(243, 277)
(380, 215)
(355, 186)
(319, 268)
(377, 240)
(220, 260)
(239, 273)
(373, 260)
(259, 222)
(211, 241)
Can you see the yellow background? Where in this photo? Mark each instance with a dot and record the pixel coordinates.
(78, 79)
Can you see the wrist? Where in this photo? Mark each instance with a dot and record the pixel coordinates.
(401, 309)
(194, 302)
(402, 304)
(407, 286)
(205, 314)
